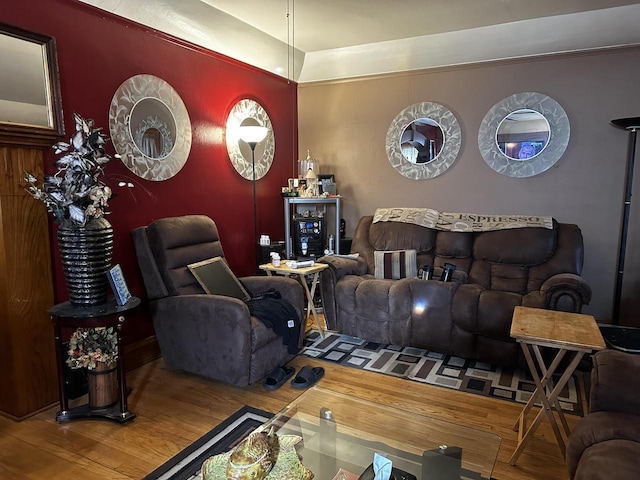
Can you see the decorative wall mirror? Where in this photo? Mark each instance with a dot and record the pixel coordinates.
(423, 141)
(30, 101)
(150, 127)
(524, 135)
(243, 112)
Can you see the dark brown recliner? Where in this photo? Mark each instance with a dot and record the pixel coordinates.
(605, 444)
(209, 335)
(469, 317)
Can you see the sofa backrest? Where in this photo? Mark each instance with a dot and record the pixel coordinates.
(515, 260)
(166, 246)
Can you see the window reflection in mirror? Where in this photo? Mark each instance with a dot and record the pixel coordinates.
(153, 127)
(523, 134)
(30, 104)
(24, 87)
(422, 141)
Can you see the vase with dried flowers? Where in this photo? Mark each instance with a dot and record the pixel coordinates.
(96, 349)
(78, 200)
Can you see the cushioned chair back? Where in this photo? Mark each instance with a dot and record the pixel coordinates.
(515, 260)
(166, 246)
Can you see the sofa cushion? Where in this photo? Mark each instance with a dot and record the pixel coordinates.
(399, 236)
(519, 246)
(176, 242)
(395, 264)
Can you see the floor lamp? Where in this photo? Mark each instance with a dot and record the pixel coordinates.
(253, 135)
(631, 125)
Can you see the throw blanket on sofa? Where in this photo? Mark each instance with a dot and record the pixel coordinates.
(460, 222)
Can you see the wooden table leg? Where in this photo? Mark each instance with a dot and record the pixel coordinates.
(532, 400)
(311, 309)
(122, 384)
(549, 387)
(62, 391)
(548, 399)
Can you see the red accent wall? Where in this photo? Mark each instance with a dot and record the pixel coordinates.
(96, 53)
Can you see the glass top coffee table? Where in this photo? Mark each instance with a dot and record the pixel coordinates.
(340, 435)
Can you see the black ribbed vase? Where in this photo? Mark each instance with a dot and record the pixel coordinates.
(86, 257)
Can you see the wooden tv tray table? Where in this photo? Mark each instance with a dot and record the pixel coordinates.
(303, 272)
(565, 332)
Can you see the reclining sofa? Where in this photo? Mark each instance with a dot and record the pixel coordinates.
(469, 316)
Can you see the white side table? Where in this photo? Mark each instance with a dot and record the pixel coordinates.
(314, 272)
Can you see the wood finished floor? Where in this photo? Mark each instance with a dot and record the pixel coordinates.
(174, 409)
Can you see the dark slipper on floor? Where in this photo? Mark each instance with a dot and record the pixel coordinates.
(307, 376)
(277, 377)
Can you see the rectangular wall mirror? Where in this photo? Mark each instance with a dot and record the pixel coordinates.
(30, 101)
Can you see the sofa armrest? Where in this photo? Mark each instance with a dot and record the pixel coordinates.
(339, 267)
(566, 292)
(597, 428)
(200, 333)
(216, 311)
(289, 288)
(615, 382)
(342, 266)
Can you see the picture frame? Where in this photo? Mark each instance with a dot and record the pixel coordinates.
(118, 285)
(326, 184)
(216, 278)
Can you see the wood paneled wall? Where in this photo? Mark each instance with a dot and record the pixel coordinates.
(27, 356)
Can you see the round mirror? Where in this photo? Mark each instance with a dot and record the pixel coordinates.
(523, 134)
(150, 127)
(422, 141)
(249, 112)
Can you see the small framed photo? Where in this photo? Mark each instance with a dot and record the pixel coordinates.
(327, 183)
(118, 285)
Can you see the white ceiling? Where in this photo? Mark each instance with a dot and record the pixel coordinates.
(311, 40)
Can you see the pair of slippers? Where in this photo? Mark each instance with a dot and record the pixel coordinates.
(306, 377)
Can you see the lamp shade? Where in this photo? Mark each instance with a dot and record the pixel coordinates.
(252, 133)
(627, 123)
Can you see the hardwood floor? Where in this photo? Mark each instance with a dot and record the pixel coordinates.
(174, 409)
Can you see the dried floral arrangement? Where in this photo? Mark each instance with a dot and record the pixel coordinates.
(88, 346)
(75, 191)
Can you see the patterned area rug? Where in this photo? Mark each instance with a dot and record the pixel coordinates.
(186, 464)
(436, 369)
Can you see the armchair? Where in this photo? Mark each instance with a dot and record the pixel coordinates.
(606, 442)
(210, 335)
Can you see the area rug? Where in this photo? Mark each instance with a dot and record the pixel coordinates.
(186, 464)
(436, 368)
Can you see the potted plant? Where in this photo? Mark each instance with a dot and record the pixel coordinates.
(78, 200)
(96, 349)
